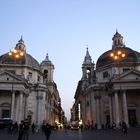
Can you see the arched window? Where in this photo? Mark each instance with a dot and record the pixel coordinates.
(46, 74)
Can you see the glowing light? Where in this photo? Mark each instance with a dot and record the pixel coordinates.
(112, 54)
(21, 53)
(119, 52)
(15, 51)
(115, 57)
(10, 53)
(123, 55)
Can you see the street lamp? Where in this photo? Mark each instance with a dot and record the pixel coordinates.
(15, 54)
(118, 55)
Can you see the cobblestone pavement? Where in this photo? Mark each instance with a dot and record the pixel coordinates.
(133, 134)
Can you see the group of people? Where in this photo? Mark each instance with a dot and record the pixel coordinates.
(23, 129)
(24, 133)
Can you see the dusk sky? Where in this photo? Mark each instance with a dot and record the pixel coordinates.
(63, 29)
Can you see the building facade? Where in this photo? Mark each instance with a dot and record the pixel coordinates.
(27, 88)
(110, 93)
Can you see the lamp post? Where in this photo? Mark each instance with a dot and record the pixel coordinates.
(15, 54)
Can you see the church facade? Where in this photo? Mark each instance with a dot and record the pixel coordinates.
(110, 93)
(27, 88)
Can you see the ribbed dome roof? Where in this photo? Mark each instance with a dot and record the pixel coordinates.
(26, 60)
(105, 59)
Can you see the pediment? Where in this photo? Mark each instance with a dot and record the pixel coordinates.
(6, 76)
(130, 75)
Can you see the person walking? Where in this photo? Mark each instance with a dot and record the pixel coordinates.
(33, 127)
(124, 127)
(26, 130)
(20, 131)
(47, 131)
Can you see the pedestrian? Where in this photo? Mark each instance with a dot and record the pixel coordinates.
(65, 128)
(26, 130)
(20, 131)
(47, 131)
(124, 127)
(15, 127)
(33, 127)
(10, 127)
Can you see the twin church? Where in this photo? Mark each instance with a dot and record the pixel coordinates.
(109, 92)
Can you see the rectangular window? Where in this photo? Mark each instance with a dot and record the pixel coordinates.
(5, 113)
(30, 75)
(38, 78)
(126, 69)
(105, 74)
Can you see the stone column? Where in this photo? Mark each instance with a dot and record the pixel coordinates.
(20, 106)
(25, 107)
(17, 108)
(94, 109)
(117, 116)
(98, 114)
(12, 105)
(125, 111)
(110, 110)
(91, 107)
(39, 107)
(97, 97)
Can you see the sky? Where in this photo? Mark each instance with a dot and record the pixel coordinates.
(64, 29)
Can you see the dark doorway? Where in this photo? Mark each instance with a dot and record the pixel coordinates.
(132, 117)
(108, 121)
(5, 113)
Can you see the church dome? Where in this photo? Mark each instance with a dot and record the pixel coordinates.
(26, 59)
(131, 56)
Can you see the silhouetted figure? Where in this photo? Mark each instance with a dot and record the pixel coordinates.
(124, 127)
(65, 128)
(102, 126)
(15, 127)
(20, 131)
(33, 128)
(26, 130)
(95, 126)
(47, 131)
(10, 127)
(43, 127)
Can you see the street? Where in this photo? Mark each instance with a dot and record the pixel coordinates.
(133, 134)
